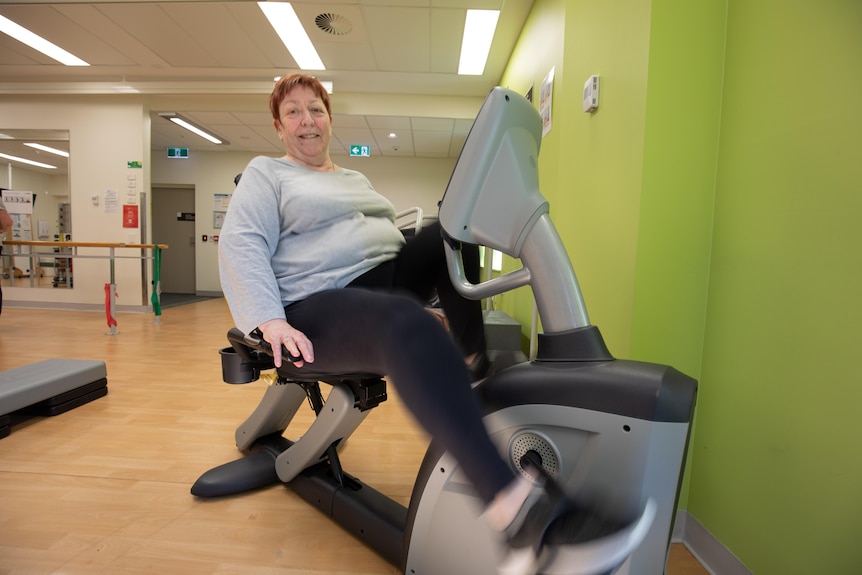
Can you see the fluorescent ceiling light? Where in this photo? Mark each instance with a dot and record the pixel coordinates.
(48, 149)
(194, 129)
(478, 33)
(26, 161)
(286, 24)
(22, 34)
(180, 121)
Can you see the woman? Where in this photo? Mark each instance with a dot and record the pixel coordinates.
(309, 255)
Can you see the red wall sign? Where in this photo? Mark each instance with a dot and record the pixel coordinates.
(130, 216)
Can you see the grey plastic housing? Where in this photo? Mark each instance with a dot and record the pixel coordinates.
(493, 193)
(493, 200)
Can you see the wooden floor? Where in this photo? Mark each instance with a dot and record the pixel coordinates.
(104, 488)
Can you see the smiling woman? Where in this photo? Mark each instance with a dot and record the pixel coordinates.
(302, 117)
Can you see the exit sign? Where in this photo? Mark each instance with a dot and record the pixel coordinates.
(178, 152)
(359, 150)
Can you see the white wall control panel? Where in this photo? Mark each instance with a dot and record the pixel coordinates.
(591, 94)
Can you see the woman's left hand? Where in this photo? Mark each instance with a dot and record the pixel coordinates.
(280, 333)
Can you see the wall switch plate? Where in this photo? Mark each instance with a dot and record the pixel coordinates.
(591, 94)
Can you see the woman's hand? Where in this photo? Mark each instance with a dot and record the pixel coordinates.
(278, 332)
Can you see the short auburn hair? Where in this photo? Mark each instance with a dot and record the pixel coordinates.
(287, 83)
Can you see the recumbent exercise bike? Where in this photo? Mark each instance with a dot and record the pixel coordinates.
(613, 432)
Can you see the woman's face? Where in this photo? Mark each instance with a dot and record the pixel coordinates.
(304, 127)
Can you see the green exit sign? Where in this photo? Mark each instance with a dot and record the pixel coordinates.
(178, 152)
(360, 150)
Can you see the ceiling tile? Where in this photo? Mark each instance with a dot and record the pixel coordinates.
(152, 25)
(426, 143)
(347, 121)
(255, 118)
(388, 122)
(447, 31)
(403, 143)
(433, 124)
(400, 38)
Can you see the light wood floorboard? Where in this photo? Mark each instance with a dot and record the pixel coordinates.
(104, 488)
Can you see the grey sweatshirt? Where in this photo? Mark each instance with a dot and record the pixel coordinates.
(290, 232)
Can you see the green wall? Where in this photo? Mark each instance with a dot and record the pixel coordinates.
(711, 209)
(777, 465)
(680, 150)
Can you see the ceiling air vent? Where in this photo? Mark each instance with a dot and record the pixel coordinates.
(334, 24)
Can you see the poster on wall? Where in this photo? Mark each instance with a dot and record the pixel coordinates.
(21, 229)
(546, 92)
(20, 208)
(18, 202)
(220, 202)
(112, 201)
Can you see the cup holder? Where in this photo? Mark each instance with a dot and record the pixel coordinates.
(233, 370)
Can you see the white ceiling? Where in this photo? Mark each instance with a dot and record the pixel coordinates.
(394, 71)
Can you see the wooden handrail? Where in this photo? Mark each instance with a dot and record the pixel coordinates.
(81, 245)
(110, 288)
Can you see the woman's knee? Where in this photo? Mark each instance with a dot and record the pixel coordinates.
(405, 313)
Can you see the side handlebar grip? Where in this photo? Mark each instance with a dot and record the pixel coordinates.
(255, 340)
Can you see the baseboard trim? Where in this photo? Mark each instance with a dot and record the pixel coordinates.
(98, 307)
(715, 557)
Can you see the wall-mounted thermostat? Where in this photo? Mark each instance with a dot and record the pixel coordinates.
(591, 94)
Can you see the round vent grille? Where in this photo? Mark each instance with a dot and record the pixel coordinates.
(334, 24)
(531, 441)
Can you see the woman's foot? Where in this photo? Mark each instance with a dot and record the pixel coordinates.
(479, 365)
(556, 535)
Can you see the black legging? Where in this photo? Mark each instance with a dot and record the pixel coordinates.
(379, 324)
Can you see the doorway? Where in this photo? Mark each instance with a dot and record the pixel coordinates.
(172, 226)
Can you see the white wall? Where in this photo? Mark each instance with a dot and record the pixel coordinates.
(105, 133)
(407, 182)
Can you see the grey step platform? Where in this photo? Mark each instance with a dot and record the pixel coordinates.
(50, 387)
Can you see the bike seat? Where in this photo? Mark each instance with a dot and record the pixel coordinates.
(308, 374)
(249, 355)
